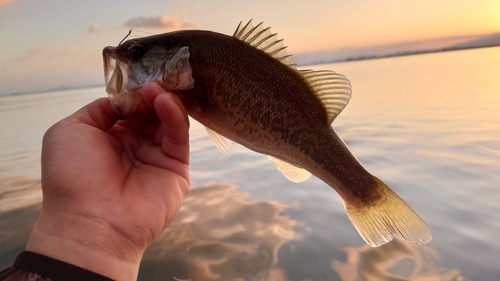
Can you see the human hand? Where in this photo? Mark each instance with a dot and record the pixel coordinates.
(112, 186)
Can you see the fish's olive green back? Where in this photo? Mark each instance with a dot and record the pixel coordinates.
(239, 79)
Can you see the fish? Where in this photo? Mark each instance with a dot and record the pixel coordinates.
(246, 88)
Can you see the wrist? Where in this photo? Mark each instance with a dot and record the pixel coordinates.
(85, 242)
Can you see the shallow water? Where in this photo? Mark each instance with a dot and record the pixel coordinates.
(428, 125)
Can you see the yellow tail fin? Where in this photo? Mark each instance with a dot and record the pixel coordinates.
(379, 221)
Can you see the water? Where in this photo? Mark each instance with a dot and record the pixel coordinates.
(428, 125)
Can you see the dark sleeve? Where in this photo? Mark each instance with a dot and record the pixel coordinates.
(31, 266)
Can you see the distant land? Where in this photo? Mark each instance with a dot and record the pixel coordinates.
(55, 89)
(399, 49)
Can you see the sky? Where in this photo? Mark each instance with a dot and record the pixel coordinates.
(49, 44)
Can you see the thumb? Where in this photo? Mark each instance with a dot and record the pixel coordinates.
(173, 134)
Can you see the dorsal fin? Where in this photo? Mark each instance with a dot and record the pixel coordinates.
(262, 39)
(332, 89)
(291, 172)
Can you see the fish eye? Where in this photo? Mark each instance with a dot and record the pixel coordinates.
(136, 52)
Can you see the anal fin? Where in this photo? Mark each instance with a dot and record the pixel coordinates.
(291, 172)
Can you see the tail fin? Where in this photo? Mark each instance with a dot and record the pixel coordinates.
(379, 221)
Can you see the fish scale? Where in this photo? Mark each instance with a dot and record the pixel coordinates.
(246, 88)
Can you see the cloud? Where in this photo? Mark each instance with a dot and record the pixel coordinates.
(160, 22)
(94, 29)
(49, 67)
(4, 2)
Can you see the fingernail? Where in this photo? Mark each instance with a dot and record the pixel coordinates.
(159, 87)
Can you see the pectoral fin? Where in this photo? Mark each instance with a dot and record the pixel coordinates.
(225, 145)
(291, 172)
(217, 120)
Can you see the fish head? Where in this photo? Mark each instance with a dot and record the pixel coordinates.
(130, 65)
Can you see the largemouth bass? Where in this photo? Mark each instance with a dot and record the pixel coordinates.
(246, 88)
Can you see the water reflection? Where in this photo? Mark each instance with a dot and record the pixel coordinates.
(20, 202)
(19, 191)
(220, 235)
(394, 261)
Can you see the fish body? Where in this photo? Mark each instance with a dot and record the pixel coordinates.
(246, 88)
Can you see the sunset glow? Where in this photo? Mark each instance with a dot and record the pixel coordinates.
(65, 39)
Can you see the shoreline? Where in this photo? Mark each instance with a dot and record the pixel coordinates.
(399, 54)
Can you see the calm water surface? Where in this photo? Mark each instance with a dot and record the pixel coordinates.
(428, 125)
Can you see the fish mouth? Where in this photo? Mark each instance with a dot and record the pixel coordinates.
(116, 75)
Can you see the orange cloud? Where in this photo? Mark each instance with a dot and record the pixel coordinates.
(4, 2)
(160, 22)
(220, 234)
(413, 263)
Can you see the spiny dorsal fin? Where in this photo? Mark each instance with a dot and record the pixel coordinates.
(224, 145)
(290, 171)
(331, 88)
(262, 39)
